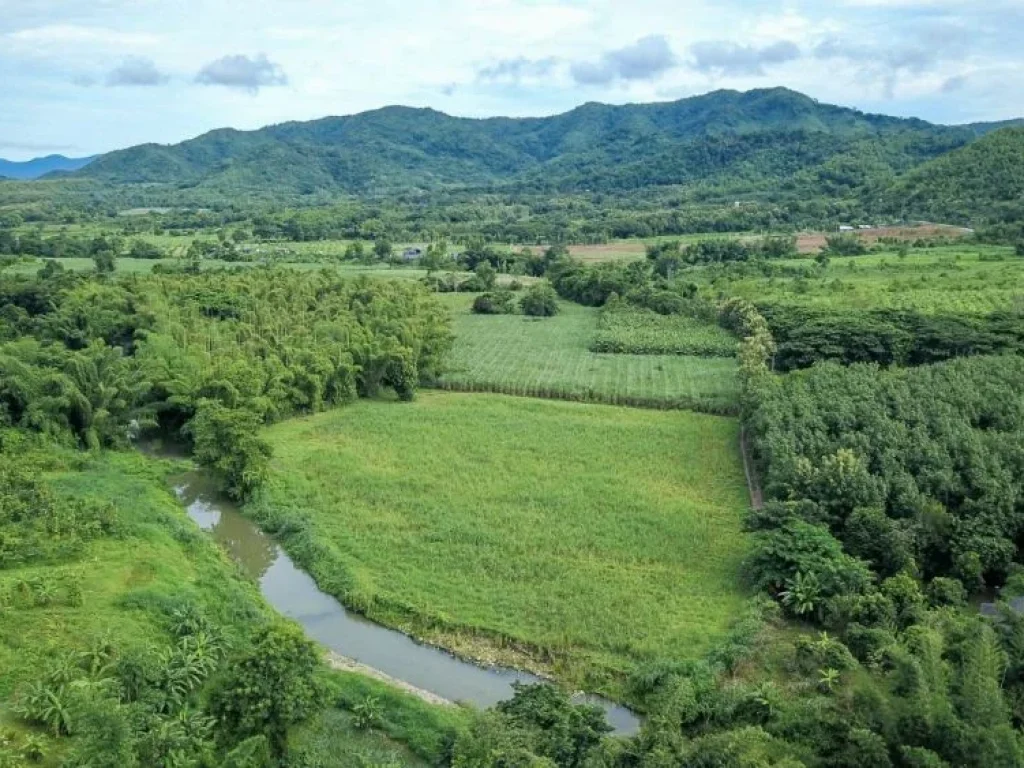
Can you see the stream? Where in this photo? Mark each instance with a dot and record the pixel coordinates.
(294, 593)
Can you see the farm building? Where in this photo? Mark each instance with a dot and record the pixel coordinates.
(412, 254)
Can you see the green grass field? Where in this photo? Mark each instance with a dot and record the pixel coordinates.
(960, 278)
(580, 539)
(551, 357)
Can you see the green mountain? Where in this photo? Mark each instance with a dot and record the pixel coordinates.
(724, 140)
(752, 137)
(986, 177)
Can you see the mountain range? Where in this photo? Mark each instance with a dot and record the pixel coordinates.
(40, 166)
(760, 144)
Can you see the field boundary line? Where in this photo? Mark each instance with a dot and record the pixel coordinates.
(651, 404)
(753, 482)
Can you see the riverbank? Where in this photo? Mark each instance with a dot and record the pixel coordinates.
(358, 645)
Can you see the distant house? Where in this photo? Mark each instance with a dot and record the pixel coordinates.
(845, 228)
(864, 226)
(412, 254)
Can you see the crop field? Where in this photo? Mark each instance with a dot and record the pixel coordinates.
(964, 279)
(575, 538)
(626, 329)
(551, 357)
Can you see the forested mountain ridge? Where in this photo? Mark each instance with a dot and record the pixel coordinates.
(985, 175)
(726, 139)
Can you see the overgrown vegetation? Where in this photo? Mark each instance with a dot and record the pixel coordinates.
(622, 328)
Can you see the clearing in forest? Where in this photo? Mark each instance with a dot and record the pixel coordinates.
(571, 538)
(551, 357)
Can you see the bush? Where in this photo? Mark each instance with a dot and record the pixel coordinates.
(946, 592)
(539, 301)
(494, 303)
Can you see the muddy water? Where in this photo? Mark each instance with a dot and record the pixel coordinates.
(293, 593)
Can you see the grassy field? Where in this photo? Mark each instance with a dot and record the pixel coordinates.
(622, 328)
(961, 279)
(551, 357)
(577, 539)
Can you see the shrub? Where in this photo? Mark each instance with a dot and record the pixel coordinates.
(539, 301)
(498, 302)
(943, 591)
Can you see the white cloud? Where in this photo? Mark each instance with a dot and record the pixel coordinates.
(481, 57)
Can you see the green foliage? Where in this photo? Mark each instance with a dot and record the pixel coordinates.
(226, 440)
(270, 687)
(932, 447)
(367, 713)
(500, 302)
(806, 335)
(623, 328)
(844, 245)
(219, 355)
(539, 726)
(982, 178)
(539, 300)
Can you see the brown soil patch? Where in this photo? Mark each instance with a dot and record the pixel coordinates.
(812, 242)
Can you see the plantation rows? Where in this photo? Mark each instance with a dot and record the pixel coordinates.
(551, 358)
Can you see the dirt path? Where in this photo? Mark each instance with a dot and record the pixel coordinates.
(753, 482)
(345, 664)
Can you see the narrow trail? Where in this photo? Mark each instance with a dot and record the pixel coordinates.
(345, 664)
(753, 482)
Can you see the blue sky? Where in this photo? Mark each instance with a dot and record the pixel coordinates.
(86, 76)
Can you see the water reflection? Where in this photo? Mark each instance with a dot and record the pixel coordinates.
(250, 547)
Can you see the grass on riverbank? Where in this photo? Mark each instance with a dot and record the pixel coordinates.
(576, 539)
(551, 357)
(129, 583)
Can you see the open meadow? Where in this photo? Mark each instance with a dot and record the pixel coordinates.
(578, 539)
(551, 357)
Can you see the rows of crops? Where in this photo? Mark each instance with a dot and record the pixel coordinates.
(551, 357)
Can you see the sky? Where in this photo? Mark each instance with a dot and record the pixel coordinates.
(78, 77)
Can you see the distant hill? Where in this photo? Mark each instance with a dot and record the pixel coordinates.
(985, 177)
(40, 166)
(725, 140)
